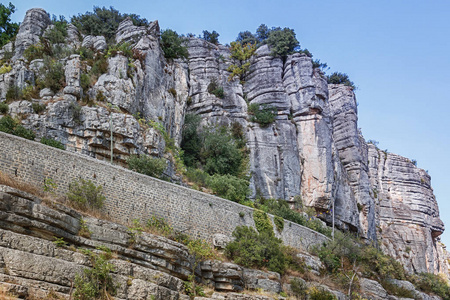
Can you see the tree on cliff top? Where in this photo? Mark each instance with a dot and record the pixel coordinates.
(104, 21)
(8, 29)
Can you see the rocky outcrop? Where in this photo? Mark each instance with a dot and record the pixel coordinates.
(313, 152)
(33, 26)
(409, 222)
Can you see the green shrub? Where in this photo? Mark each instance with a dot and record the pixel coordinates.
(215, 89)
(75, 110)
(212, 37)
(279, 223)
(85, 82)
(104, 21)
(197, 176)
(13, 93)
(340, 78)
(246, 37)
(38, 107)
(229, 187)
(160, 226)
(54, 77)
(396, 290)
(432, 283)
(299, 288)
(4, 108)
(253, 249)
(263, 114)
(191, 140)
(84, 194)
(173, 45)
(95, 282)
(37, 51)
(125, 49)
(282, 41)
(6, 68)
(52, 143)
(262, 221)
(58, 33)
(319, 293)
(11, 126)
(241, 52)
(147, 165)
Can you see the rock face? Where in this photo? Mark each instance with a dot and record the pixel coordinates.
(313, 152)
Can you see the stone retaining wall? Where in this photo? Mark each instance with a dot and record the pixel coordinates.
(130, 195)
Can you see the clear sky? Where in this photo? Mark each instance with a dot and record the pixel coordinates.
(397, 52)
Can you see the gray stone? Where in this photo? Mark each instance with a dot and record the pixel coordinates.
(95, 42)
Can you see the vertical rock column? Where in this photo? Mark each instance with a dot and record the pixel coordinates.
(353, 154)
(275, 165)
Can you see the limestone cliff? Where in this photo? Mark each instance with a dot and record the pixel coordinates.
(312, 150)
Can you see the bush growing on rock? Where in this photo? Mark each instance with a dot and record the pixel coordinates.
(52, 143)
(173, 45)
(282, 41)
(4, 108)
(340, 78)
(253, 249)
(212, 37)
(12, 126)
(263, 114)
(104, 21)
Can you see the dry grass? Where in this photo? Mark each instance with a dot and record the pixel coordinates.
(22, 186)
(5, 294)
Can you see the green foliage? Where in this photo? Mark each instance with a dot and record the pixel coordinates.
(215, 89)
(299, 288)
(246, 37)
(6, 68)
(263, 114)
(135, 230)
(432, 283)
(13, 93)
(160, 226)
(262, 221)
(282, 41)
(340, 78)
(59, 242)
(279, 223)
(396, 290)
(262, 33)
(104, 21)
(241, 52)
(125, 49)
(34, 52)
(95, 282)
(191, 140)
(4, 108)
(229, 187)
(319, 293)
(253, 249)
(84, 230)
(318, 65)
(200, 251)
(38, 107)
(281, 208)
(212, 37)
(52, 143)
(58, 32)
(219, 153)
(54, 77)
(84, 194)
(75, 111)
(85, 82)
(8, 29)
(173, 45)
(11, 126)
(147, 165)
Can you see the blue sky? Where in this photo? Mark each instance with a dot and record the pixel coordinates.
(395, 51)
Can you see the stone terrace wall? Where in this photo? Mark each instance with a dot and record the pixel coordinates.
(130, 195)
